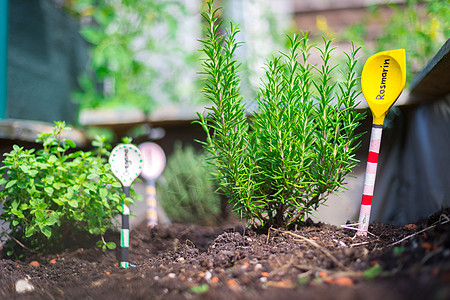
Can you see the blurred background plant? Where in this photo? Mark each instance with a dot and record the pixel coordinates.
(186, 190)
(140, 55)
(421, 27)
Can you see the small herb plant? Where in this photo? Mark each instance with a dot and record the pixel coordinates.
(187, 191)
(52, 192)
(299, 145)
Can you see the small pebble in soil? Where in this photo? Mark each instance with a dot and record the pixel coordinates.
(23, 286)
(34, 263)
(208, 275)
(258, 267)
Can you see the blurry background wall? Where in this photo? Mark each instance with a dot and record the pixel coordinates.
(46, 55)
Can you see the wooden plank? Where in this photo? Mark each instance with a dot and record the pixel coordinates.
(433, 82)
(27, 131)
(308, 6)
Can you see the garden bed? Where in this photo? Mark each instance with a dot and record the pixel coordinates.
(315, 261)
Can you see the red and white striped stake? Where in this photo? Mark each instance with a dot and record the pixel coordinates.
(382, 81)
(369, 180)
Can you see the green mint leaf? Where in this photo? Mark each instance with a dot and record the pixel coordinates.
(47, 231)
(111, 245)
(373, 272)
(10, 184)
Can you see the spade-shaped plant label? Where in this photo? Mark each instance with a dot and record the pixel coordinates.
(382, 81)
(154, 160)
(126, 163)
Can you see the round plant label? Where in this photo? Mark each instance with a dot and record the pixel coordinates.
(126, 163)
(154, 160)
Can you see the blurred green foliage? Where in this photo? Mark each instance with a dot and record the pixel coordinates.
(134, 53)
(420, 27)
(187, 191)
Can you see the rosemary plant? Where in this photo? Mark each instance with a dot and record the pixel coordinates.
(300, 144)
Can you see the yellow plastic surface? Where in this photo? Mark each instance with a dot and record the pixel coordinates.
(382, 81)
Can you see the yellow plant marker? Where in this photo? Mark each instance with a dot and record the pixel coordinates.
(382, 81)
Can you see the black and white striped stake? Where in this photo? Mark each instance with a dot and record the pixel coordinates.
(126, 164)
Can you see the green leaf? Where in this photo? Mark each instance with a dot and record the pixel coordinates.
(103, 193)
(373, 272)
(42, 206)
(199, 289)
(73, 203)
(22, 184)
(29, 231)
(47, 231)
(111, 245)
(10, 183)
(24, 168)
(92, 176)
(92, 34)
(42, 166)
(116, 184)
(52, 159)
(95, 230)
(39, 215)
(58, 185)
(59, 201)
(62, 169)
(398, 250)
(33, 173)
(71, 143)
(49, 190)
(53, 218)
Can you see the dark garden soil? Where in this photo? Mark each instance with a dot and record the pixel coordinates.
(315, 261)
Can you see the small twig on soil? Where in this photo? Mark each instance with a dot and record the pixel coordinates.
(348, 226)
(18, 242)
(191, 243)
(305, 274)
(332, 274)
(431, 254)
(283, 268)
(447, 219)
(327, 253)
(310, 268)
(358, 244)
